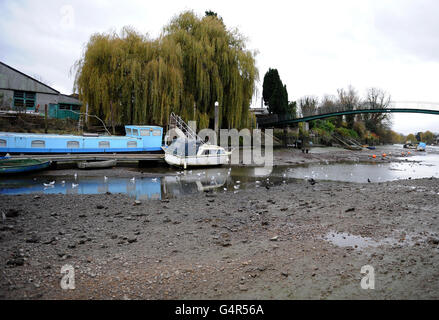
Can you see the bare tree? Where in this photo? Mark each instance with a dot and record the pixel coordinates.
(308, 105)
(328, 104)
(348, 100)
(376, 99)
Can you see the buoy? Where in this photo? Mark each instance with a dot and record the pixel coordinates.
(374, 156)
(408, 152)
(384, 155)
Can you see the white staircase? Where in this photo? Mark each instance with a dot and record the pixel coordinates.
(181, 128)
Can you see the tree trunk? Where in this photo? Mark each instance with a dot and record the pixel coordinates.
(112, 117)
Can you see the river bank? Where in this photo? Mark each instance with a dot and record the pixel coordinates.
(300, 240)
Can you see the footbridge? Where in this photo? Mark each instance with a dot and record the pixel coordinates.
(394, 107)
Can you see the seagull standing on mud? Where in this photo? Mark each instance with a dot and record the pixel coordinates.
(133, 179)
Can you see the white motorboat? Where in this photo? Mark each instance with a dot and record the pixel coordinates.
(184, 152)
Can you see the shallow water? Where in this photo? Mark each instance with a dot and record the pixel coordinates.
(171, 183)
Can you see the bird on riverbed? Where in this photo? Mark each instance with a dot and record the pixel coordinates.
(133, 179)
(74, 185)
(154, 179)
(312, 181)
(75, 175)
(368, 180)
(50, 184)
(105, 178)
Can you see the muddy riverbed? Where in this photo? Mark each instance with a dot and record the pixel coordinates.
(296, 240)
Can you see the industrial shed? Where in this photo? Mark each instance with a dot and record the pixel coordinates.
(22, 93)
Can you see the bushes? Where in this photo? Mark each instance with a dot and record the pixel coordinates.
(347, 133)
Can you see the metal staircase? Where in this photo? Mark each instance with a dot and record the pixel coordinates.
(176, 121)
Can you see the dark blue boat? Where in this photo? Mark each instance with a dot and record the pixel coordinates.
(15, 166)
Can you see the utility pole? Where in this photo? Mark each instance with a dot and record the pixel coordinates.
(45, 118)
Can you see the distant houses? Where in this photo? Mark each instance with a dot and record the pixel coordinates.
(22, 93)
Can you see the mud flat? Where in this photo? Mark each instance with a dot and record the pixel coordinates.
(294, 241)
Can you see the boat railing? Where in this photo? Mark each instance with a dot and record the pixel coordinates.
(177, 121)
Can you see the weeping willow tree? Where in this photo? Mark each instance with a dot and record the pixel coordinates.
(128, 78)
(216, 67)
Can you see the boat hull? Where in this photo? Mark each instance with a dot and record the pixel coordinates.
(22, 166)
(97, 164)
(196, 161)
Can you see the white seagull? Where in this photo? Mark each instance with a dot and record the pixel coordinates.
(133, 179)
(74, 185)
(105, 178)
(154, 179)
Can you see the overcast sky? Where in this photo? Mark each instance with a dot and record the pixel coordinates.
(317, 46)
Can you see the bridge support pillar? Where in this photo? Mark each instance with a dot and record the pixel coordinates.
(306, 126)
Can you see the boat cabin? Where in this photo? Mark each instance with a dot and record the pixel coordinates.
(137, 139)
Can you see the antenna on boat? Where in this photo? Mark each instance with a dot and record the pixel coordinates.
(92, 115)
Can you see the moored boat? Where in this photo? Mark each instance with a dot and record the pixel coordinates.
(97, 164)
(14, 166)
(137, 139)
(191, 152)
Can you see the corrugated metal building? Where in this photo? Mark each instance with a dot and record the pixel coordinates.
(20, 92)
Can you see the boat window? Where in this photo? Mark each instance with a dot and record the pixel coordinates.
(157, 133)
(104, 144)
(205, 153)
(135, 132)
(38, 144)
(132, 144)
(72, 144)
(2, 143)
(220, 151)
(183, 147)
(144, 132)
(129, 132)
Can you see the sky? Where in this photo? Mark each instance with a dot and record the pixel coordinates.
(318, 46)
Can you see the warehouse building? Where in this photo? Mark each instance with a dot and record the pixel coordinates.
(22, 93)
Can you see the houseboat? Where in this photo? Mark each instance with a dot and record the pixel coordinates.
(136, 139)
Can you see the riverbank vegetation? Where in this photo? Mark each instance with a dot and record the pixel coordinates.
(365, 128)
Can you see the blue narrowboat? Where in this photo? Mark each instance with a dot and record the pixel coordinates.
(136, 139)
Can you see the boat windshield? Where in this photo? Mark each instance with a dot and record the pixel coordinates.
(184, 147)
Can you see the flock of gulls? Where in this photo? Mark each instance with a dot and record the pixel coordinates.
(213, 180)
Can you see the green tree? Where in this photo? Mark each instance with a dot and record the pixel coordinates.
(274, 93)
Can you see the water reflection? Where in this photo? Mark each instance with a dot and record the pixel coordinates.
(151, 188)
(169, 183)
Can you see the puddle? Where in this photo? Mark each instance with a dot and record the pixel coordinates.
(342, 239)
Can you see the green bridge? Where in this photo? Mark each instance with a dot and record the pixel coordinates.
(285, 122)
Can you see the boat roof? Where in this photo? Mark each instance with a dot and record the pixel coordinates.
(142, 126)
(65, 136)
